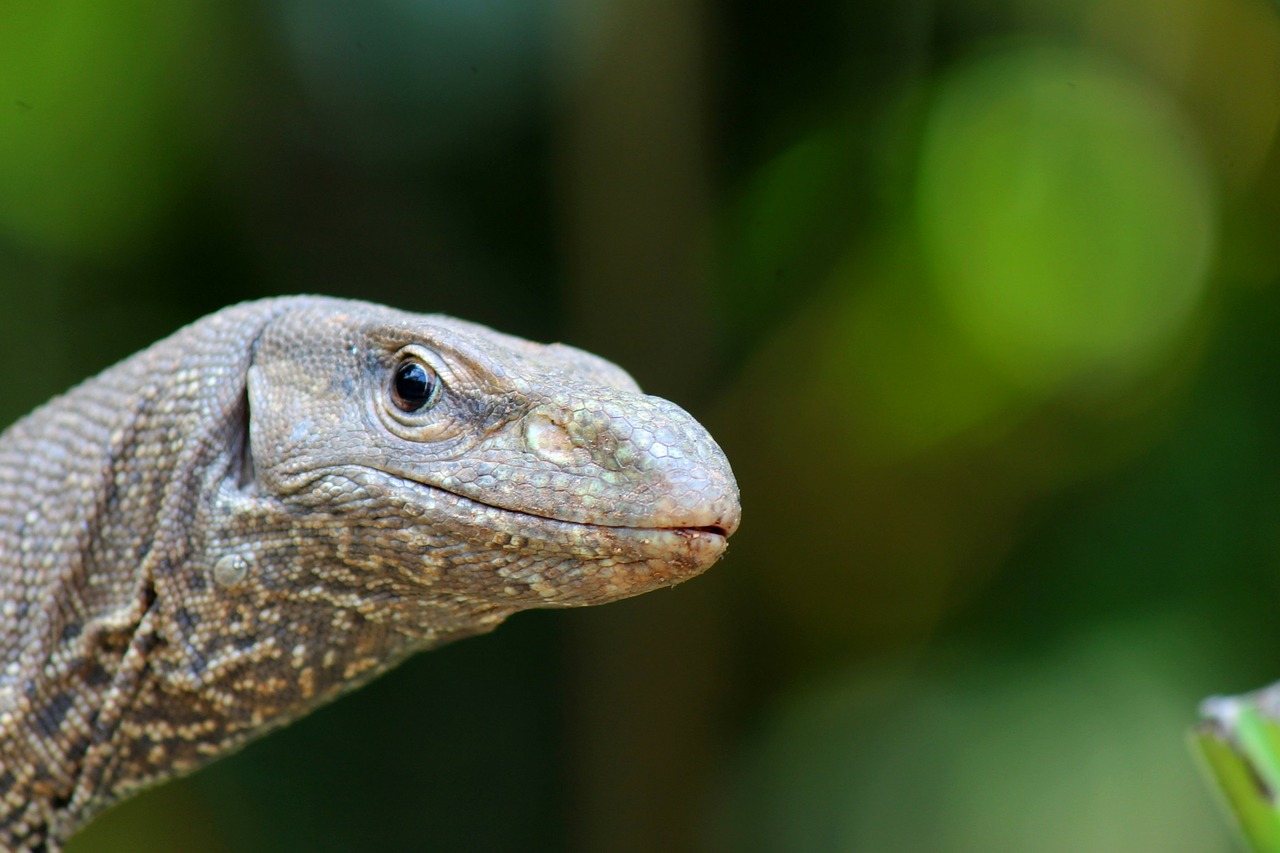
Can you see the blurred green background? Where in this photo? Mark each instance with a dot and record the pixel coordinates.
(979, 296)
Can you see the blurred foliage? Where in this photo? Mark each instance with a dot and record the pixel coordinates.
(99, 138)
(987, 755)
(980, 296)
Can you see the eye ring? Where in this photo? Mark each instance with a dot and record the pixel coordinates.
(414, 386)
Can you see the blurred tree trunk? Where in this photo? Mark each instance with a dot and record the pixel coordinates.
(646, 675)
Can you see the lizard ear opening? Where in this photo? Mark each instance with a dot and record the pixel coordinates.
(248, 471)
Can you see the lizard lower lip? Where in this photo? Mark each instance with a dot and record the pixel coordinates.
(699, 546)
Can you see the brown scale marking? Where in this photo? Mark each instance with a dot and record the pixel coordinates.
(48, 721)
(78, 749)
(185, 619)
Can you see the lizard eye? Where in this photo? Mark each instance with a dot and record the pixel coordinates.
(414, 386)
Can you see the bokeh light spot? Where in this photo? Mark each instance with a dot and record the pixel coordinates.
(1066, 214)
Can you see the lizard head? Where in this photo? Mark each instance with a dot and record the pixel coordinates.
(508, 473)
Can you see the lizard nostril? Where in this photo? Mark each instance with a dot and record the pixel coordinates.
(549, 440)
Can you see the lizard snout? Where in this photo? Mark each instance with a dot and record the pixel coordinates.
(645, 461)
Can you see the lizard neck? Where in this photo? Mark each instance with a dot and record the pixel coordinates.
(97, 493)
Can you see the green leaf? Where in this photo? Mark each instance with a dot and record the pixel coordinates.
(1239, 748)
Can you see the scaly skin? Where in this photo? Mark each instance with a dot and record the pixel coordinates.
(236, 524)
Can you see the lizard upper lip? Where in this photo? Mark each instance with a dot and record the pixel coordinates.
(723, 530)
(715, 535)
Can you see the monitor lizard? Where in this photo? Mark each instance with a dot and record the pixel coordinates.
(287, 497)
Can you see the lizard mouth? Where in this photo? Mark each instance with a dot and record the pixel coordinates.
(482, 520)
(706, 531)
(679, 529)
(463, 501)
(686, 550)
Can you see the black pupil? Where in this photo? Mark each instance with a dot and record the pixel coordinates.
(414, 386)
